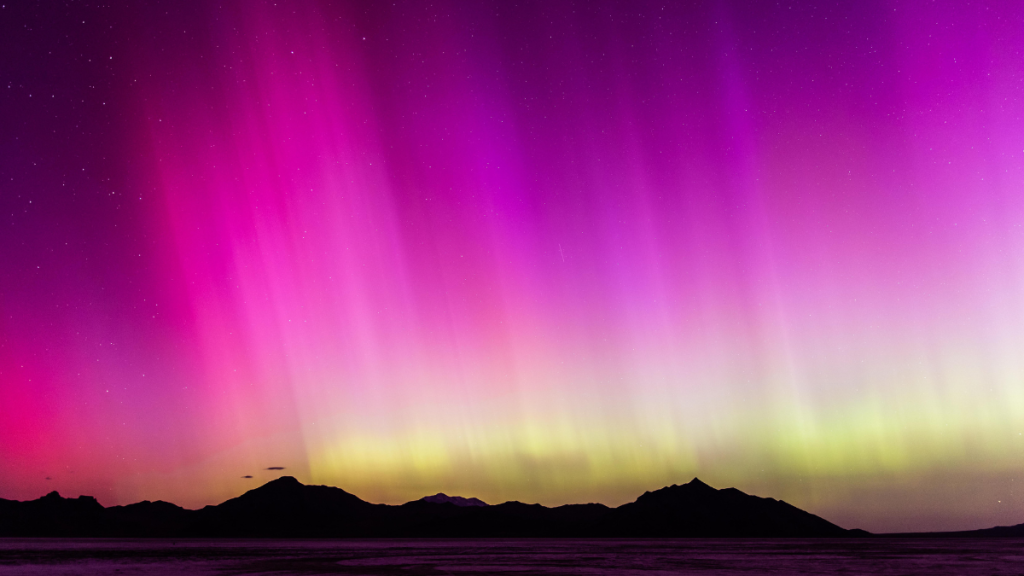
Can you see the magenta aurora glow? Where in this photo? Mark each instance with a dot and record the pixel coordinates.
(544, 251)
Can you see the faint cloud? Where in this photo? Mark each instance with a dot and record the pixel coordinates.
(276, 468)
(246, 476)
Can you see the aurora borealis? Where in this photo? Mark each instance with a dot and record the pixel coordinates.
(541, 251)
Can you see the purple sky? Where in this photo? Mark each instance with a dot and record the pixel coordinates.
(544, 251)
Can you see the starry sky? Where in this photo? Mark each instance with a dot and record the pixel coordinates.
(545, 251)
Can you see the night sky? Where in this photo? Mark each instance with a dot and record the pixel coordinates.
(542, 251)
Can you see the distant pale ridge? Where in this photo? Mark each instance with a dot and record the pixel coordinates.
(442, 498)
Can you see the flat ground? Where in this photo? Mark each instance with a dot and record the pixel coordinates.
(891, 556)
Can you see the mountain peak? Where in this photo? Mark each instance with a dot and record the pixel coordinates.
(693, 489)
(696, 509)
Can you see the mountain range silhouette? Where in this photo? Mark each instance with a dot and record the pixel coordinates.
(286, 508)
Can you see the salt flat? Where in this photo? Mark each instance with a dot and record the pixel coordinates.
(893, 556)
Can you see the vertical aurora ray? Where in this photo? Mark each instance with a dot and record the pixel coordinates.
(548, 254)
